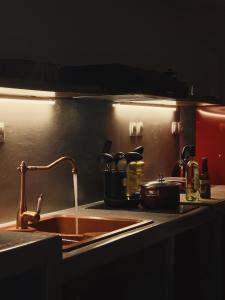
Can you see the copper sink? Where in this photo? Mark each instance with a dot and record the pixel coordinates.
(90, 229)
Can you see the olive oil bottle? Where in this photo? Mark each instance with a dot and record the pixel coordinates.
(192, 178)
(205, 190)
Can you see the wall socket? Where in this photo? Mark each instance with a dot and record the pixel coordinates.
(176, 128)
(136, 128)
(2, 132)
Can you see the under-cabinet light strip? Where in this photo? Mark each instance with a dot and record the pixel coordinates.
(143, 106)
(147, 101)
(26, 101)
(212, 114)
(4, 91)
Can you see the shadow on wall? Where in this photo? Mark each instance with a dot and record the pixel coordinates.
(39, 134)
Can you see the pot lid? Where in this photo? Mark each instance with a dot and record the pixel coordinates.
(160, 183)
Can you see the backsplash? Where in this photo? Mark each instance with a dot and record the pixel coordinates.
(210, 128)
(39, 134)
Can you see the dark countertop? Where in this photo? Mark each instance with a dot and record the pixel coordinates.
(78, 261)
(165, 226)
(22, 251)
(37, 249)
(10, 240)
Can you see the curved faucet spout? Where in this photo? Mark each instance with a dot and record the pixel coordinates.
(23, 215)
(54, 163)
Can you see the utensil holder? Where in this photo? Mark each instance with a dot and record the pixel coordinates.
(115, 190)
(114, 187)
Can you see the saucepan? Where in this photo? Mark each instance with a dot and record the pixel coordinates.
(160, 194)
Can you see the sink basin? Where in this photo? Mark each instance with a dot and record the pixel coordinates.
(90, 229)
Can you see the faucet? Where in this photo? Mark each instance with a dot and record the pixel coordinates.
(24, 217)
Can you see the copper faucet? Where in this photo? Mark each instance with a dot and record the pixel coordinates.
(23, 215)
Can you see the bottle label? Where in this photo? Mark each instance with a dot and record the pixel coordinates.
(205, 189)
(196, 183)
(192, 181)
(205, 181)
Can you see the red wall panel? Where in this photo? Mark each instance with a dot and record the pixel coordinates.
(210, 141)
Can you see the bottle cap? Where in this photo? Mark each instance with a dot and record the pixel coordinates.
(204, 164)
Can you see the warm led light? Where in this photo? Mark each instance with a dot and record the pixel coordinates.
(154, 102)
(27, 93)
(125, 112)
(27, 113)
(152, 106)
(26, 101)
(217, 112)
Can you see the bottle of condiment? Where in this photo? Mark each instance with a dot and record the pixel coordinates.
(140, 173)
(205, 190)
(192, 178)
(135, 175)
(131, 181)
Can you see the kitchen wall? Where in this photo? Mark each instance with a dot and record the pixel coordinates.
(187, 37)
(39, 133)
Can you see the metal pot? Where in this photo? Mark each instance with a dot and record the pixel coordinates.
(160, 194)
(181, 181)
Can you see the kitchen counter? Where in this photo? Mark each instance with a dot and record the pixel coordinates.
(168, 232)
(167, 223)
(28, 260)
(164, 225)
(34, 249)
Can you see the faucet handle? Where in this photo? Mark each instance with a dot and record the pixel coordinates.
(39, 203)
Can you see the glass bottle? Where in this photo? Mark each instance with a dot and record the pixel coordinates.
(140, 173)
(192, 178)
(131, 181)
(135, 175)
(205, 190)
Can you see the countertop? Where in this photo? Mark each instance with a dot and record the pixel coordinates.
(165, 226)
(47, 248)
(10, 240)
(21, 251)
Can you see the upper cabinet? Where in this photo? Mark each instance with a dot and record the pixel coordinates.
(150, 35)
(112, 82)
